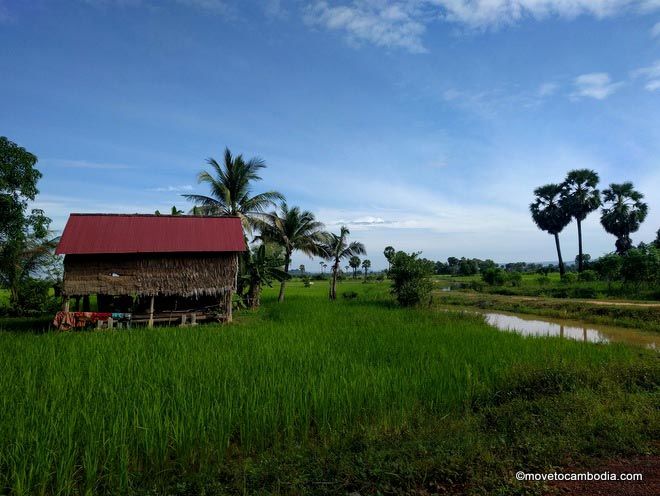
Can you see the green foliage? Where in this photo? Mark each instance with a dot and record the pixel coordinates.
(410, 276)
(231, 184)
(641, 265)
(262, 265)
(349, 295)
(494, 276)
(623, 213)
(515, 278)
(543, 280)
(608, 267)
(587, 276)
(569, 278)
(24, 247)
(336, 248)
(34, 298)
(306, 281)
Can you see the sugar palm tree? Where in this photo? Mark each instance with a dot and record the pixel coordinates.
(231, 190)
(294, 230)
(354, 262)
(366, 263)
(550, 214)
(623, 213)
(389, 253)
(336, 249)
(581, 197)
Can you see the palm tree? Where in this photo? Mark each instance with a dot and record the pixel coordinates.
(231, 193)
(622, 214)
(176, 211)
(550, 214)
(365, 265)
(301, 269)
(354, 263)
(294, 230)
(581, 198)
(323, 266)
(336, 249)
(262, 266)
(389, 253)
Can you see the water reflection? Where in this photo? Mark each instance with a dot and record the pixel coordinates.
(541, 328)
(534, 326)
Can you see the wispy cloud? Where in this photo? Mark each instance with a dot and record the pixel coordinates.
(402, 23)
(386, 24)
(650, 74)
(84, 164)
(598, 85)
(655, 30)
(548, 89)
(173, 189)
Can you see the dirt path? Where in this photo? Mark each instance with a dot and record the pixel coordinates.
(608, 303)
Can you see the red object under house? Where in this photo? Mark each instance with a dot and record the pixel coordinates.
(87, 234)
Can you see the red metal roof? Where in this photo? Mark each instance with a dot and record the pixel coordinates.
(119, 233)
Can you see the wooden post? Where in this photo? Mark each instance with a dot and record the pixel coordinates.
(151, 312)
(228, 305)
(183, 320)
(65, 304)
(110, 323)
(193, 319)
(99, 324)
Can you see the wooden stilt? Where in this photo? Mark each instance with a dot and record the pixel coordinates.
(151, 312)
(229, 298)
(193, 319)
(65, 304)
(111, 323)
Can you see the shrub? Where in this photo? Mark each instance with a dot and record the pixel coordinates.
(543, 280)
(410, 276)
(587, 276)
(380, 277)
(580, 292)
(349, 295)
(494, 276)
(569, 278)
(306, 281)
(34, 298)
(515, 278)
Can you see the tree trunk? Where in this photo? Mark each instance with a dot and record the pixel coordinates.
(579, 224)
(333, 284)
(254, 295)
(561, 261)
(283, 283)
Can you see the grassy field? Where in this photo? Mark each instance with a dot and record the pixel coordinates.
(314, 397)
(552, 286)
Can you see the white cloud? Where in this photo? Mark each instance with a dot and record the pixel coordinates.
(596, 85)
(402, 23)
(386, 24)
(655, 30)
(651, 74)
(171, 189)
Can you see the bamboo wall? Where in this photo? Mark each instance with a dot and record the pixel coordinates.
(184, 274)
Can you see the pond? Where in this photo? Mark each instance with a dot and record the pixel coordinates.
(532, 325)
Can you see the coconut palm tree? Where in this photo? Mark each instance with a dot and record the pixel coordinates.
(231, 190)
(301, 269)
(550, 214)
(294, 230)
(581, 198)
(262, 267)
(354, 263)
(622, 214)
(336, 249)
(366, 263)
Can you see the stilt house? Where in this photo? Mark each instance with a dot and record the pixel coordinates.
(157, 268)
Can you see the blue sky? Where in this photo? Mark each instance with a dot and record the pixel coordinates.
(422, 124)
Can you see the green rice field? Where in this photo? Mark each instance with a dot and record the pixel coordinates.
(314, 397)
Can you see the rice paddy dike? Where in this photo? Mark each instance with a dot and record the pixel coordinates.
(316, 397)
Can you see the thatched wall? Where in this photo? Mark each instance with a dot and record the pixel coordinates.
(184, 274)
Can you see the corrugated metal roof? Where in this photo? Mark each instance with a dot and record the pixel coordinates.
(119, 233)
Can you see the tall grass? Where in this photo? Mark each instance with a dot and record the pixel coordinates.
(93, 412)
